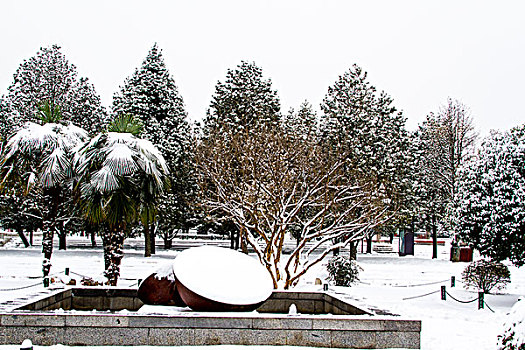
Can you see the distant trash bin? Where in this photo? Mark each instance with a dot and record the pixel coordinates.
(463, 254)
(406, 242)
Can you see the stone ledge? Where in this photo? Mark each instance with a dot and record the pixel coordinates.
(341, 332)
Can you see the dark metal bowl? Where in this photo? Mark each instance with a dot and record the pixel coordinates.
(155, 291)
(199, 303)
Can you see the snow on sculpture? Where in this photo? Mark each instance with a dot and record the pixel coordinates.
(220, 279)
(209, 279)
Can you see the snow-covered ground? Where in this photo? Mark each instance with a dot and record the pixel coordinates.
(388, 282)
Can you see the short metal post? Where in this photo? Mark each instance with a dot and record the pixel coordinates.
(481, 300)
(325, 286)
(452, 281)
(66, 272)
(443, 293)
(46, 282)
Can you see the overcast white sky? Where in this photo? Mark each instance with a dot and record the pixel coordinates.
(420, 52)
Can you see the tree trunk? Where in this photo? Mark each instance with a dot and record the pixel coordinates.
(20, 232)
(168, 241)
(61, 237)
(353, 250)
(113, 255)
(106, 241)
(434, 237)
(93, 238)
(147, 240)
(369, 244)
(237, 240)
(244, 245)
(152, 237)
(50, 210)
(232, 240)
(31, 237)
(62, 241)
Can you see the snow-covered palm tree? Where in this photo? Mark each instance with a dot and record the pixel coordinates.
(119, 173)
(39, 158)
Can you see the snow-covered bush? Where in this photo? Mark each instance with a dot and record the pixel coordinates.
(343, 271)
(513, 337)
(486, 275)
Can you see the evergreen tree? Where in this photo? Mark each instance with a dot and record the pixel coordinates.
(365, 127)
(490, 201)
(445, 141)
(244, 100)
(48, 76)
(6, 122)
(302, 127)
(151, 95)
(302, 123)
(243, 104)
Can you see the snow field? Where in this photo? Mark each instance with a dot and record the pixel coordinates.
(388, 283)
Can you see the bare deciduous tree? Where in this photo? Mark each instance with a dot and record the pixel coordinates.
(266, 181)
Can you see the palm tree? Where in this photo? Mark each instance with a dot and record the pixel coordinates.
(119, 173)
(38, 158)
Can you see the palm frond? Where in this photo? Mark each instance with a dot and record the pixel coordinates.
(31, 181)
(104, 180)
(120, 159)
(48, 113)
(126, 123)
(148, 151)
(55, 167)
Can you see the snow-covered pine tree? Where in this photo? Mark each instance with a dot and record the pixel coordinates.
(244, 100)
(490, 199)
(302, 127)
(6, 122)
(302, 123)
(364, 125)
(240, 105)
(445, 142)
(48, 76)
(151, 95)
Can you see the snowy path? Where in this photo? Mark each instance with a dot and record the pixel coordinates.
(386, 281)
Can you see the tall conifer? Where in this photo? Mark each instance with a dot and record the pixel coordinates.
(151, 95)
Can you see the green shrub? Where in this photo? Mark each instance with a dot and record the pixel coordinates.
(486, 275)
(343, 271)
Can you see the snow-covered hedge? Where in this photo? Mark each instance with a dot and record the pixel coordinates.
(513, 337)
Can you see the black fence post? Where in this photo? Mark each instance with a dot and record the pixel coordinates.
(443, 293)
(452, 281)
(46, 282)
(66, 272)
(481, 300)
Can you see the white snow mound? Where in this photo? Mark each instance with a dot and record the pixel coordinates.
(513, 336)
(223, 275)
